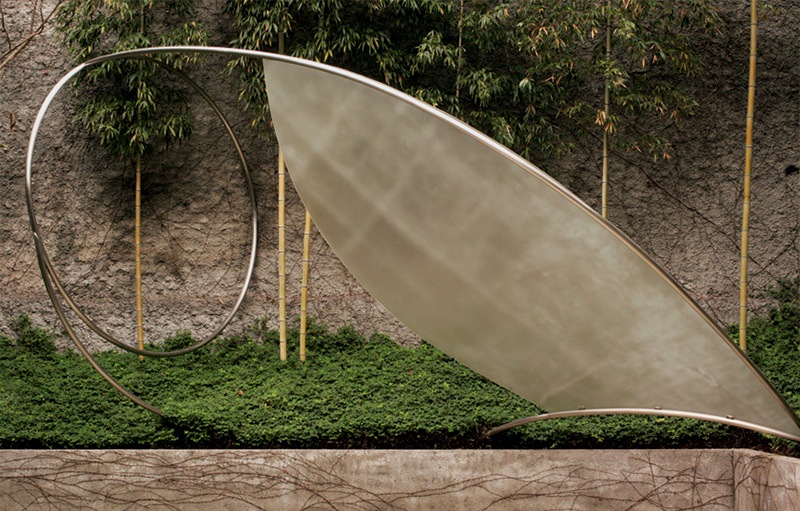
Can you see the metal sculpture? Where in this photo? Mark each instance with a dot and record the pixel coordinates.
(496, 263)
(52, 281)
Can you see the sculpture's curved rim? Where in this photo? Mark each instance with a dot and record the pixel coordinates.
(48, 263)
(254, 238)
(619, 235)
(522, 163)
(52, 279)
(597, 412)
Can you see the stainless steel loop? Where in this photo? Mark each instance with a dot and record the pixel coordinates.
(50, 276)
(658, 412)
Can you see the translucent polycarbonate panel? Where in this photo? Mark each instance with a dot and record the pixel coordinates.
(488, 258)
(495, 263)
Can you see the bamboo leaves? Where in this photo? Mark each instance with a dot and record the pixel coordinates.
(525, 73)
(130, 105)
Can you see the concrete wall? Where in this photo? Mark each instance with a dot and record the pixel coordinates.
(711, 480)
(194, 211)
(685, 212)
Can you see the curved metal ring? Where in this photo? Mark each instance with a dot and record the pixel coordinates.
(728, 421)
(251, 192)
(50, 275)
(78, 344)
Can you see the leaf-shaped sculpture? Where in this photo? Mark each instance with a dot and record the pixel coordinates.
(488, 258)
(497, 264)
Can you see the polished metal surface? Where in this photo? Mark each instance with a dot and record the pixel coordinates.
(493, 261)
(729, 421)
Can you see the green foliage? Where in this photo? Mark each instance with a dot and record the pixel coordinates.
(353, 392)
(131, 104)
(372, 395)
(31, 339)
(60, 402)
(773, 342)
(528, 74)
(651, 58)
(374, 38)
(178, 341)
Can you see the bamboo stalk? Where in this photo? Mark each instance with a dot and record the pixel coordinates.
(138, 228)
(304, 285)
(281, 240)
(748, 165)
(138, 255)
(282, 253)
(606, 113)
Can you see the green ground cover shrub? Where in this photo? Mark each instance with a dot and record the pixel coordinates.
(774, 341)
(353, 392)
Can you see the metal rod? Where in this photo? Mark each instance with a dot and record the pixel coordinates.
(79, 345)
(50, 276)
(730, 421)
(53, 273)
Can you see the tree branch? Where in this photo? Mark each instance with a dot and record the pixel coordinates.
(15, 49)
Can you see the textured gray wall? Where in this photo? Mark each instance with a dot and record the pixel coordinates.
(195, 212)
(685, 212)
(707, 480)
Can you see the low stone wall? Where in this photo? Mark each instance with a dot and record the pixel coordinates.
(713, 480)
